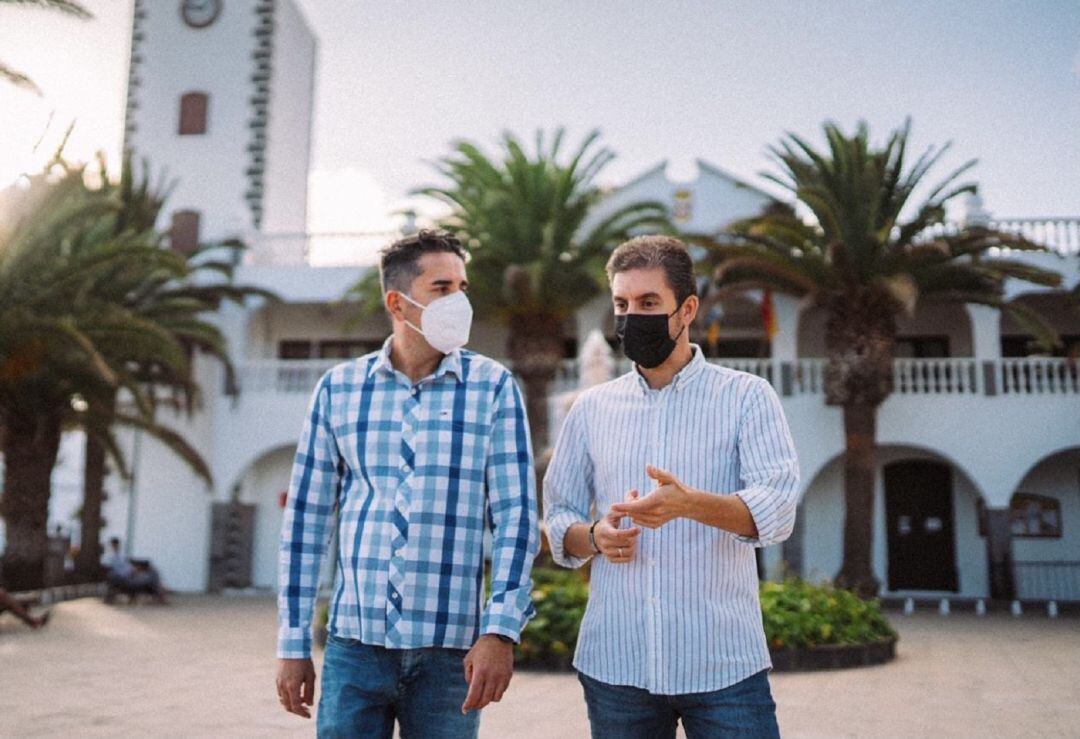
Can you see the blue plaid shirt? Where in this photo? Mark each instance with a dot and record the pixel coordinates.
(411, 475)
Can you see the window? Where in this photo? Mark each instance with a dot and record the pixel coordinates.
(1037, 516)
(347, 348)
(922, 347)
(184, 234)
(294, 350)
(1025, 346)
(193, 107)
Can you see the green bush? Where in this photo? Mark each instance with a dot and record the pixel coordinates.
(800, 614)
(795, 613)
(550, 637)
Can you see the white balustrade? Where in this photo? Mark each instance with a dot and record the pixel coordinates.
(1040, 376)
(952, 376)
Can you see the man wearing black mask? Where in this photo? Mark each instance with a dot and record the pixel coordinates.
(673, 628)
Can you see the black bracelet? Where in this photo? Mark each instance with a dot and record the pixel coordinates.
(592, 537)
(503, 638)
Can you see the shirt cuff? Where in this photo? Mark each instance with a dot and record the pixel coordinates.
(294, 642)
(557, 526)
(762, 504)
(508, 622)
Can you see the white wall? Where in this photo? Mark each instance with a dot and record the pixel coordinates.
(208, 169)
(288, 146)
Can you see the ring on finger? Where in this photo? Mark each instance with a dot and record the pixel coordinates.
(621, 553)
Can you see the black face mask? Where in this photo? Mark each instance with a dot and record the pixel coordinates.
(645, 337)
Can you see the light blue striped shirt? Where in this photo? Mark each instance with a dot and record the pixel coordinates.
(411, 475)
(683, 616)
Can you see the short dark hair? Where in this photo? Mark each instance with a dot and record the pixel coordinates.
(653, 252)
(114, 541)
(399, 263)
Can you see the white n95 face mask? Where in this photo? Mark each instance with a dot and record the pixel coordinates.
(445, 321)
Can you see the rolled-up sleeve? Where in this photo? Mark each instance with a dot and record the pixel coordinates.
(568, 485)
(769, 466)
(511, 489)
(305, 530)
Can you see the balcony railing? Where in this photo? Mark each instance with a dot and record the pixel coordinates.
(345, 249)
(282, 375)
(954, 376)
(360, 248)
(1040, 376)
(1047, 580)
(1060, 235)
(935, 376)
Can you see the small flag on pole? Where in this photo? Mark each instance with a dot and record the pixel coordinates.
(768, 316)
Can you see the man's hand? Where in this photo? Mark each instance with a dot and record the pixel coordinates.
(670, 500)
(618, 545)
(296, 685)
(489, 666)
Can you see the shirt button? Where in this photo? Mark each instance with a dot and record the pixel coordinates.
(654, 601)
(415, 391)
(405, 468)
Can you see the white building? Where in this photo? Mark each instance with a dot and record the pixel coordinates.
(979, 487)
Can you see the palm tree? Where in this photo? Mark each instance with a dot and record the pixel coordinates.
(536, 255)
(65, 6)
(177, 300)
(872, 251)
(72, 334)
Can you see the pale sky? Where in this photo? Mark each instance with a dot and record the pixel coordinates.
(663, 81)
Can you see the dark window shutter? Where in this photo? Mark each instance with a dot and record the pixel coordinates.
(184, 234)
(193, 107)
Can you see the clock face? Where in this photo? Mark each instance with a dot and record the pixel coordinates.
(200, 13)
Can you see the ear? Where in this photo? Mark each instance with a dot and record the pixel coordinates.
(392, 301)
(690, 308)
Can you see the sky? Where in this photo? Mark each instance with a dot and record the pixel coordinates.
(663, 81)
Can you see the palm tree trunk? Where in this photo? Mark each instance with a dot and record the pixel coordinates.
(88, 560)
(535, 349)
(30, 449)
(860, 464)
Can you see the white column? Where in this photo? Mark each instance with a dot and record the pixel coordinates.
(785, 343)
(986, 346)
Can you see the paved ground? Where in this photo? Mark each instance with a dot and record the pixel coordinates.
(203, 667)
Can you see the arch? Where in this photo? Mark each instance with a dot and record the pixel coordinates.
(251, 462)
(808, 480)
(1045, 457)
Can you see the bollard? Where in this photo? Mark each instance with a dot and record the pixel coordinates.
(909, 606)
(980, 607)
(1016, 609)
(943, 607)
(1051, 609)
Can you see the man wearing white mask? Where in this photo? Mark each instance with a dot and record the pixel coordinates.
(410, 452)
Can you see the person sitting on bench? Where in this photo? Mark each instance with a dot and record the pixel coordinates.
(130, 576)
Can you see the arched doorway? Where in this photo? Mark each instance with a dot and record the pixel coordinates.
(920, 525)
(263, 486)
(815, 550)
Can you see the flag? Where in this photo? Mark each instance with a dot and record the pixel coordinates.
(768, 316)
(712, 336)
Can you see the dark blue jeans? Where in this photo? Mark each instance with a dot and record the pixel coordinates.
(745, 709)
(365, 688)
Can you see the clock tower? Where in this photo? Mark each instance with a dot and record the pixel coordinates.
(219, 101)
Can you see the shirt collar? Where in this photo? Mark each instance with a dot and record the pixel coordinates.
(451, 363)
(682, 377)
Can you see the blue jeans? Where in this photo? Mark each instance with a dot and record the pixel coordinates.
(745, 709)
(365, 688)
